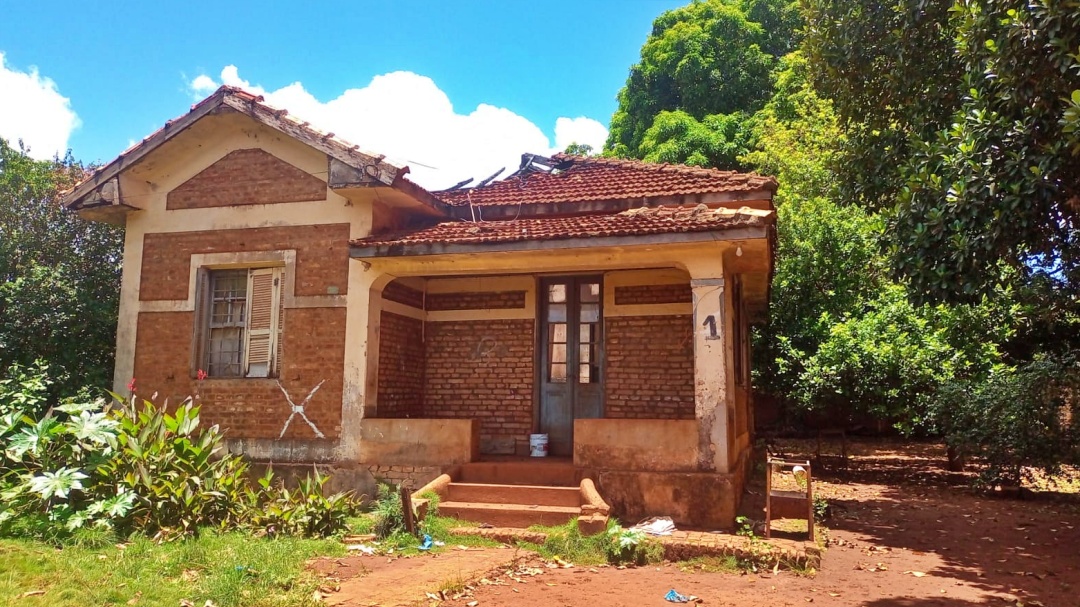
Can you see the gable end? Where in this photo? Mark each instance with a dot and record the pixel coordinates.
(244, 177)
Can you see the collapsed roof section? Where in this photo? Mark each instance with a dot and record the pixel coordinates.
(570, 185)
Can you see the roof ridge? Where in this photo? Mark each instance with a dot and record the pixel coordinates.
(660, 166)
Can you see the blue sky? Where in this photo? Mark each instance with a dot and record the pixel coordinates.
(509, 69)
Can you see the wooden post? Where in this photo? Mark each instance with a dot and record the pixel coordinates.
(407, 510)
(810, 501)
(768, 497)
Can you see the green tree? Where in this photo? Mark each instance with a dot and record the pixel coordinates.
(707, 58)
(677, 137)
(963, 121)
(579, 149)
(842, 334)
(59, 276)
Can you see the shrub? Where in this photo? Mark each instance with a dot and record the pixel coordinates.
(117, 467)
(1016, 420)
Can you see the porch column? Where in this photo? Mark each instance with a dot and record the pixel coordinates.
(361, 379)
(710, 367)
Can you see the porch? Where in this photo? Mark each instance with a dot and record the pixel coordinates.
(630, 352)
(635, 391)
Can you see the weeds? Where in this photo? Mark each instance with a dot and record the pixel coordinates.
(615, 546)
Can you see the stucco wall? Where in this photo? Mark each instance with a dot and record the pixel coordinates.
(418, 442)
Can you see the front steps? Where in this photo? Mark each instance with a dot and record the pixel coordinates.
(511, 505)
(548, 473)
(519, 494)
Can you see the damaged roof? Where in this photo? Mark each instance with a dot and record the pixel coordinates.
(642, 221)
(586, 179)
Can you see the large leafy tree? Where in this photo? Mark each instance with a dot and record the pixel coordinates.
(963, 123)
(59, 276)
(709, 58)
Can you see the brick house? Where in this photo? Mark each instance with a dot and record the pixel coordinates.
(326, 309)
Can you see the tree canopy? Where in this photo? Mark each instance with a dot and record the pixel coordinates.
(913, 283)
(59, 276)
(701, 65)
(966, 123)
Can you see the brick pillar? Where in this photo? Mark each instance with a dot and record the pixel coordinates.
(361, 379)
(710, 369)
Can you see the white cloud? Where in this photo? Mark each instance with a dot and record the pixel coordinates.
(407, 117)
(32, 109)
(580, 130)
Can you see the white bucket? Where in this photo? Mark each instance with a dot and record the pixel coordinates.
(538, 445)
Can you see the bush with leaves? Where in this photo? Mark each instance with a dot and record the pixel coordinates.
(1018, 420)
(138, 469)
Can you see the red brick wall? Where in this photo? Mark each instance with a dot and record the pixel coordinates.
(244, 177)
(504, 300)
(649, 371)
(322, 256)
(482, 370)
(401, 366)
(402, 294)
(653, 294)
(313, 344)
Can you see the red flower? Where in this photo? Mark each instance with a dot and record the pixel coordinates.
(131, 385)
(201, 375)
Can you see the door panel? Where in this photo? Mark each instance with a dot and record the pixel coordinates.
(571, 357)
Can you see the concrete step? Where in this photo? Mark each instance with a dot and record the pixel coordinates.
(545, 473)
(509, 515)
(526, 495)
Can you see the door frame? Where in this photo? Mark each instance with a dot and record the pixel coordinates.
(540, 341)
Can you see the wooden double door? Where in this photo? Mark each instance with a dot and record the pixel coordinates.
(571, 357)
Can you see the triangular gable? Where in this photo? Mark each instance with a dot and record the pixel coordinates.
(243, 177)
(348, 167)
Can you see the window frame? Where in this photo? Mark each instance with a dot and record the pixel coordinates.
(205, 325)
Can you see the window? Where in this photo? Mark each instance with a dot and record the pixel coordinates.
(240, 318)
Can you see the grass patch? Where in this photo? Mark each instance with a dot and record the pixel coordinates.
(715, 564)
(615, 546)
(231, 569)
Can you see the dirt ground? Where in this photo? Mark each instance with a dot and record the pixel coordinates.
(902, 533)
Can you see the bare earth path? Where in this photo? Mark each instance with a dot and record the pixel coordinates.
(902, 534)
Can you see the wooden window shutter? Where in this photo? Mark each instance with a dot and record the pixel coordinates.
(264, 292)
(202, 321)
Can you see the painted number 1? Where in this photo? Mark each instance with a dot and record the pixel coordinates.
(710, 322)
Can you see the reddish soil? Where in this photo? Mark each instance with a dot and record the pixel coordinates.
(903, 533)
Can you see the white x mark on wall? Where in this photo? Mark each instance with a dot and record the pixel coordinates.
(299, 409)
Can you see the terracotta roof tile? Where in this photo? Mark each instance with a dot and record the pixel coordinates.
(635, 222)
(590, 179)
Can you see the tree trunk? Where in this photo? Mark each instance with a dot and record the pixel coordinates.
(957, 459)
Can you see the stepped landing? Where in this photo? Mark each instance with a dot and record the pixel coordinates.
(519, 494)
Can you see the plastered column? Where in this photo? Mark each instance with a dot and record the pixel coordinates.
(710, 367)
(361, 378)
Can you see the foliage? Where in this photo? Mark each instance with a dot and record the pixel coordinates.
(579, 149)
(677, 137)
(844, 336)
(229, 569)
(615, 545)
(707, 58)
(59, 276)
(146, 470)
(177, 471)
(388, 512)
(970, 113)
(305, 511)
(1018, 420)
(890, 359)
